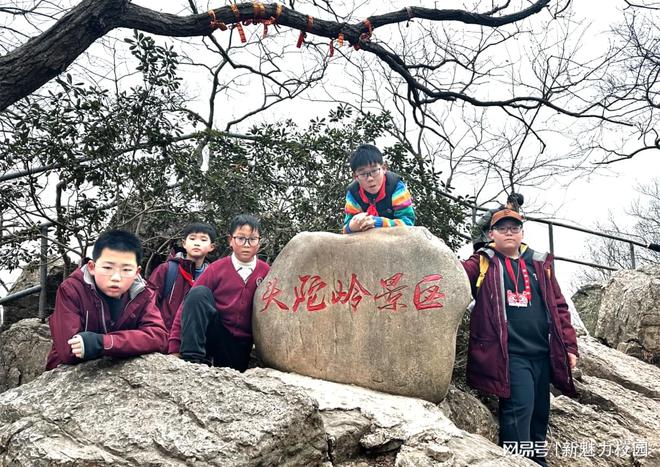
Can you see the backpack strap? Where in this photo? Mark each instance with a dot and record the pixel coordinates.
(484, 262)
(172, 272)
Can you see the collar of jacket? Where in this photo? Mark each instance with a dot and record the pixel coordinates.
(138, 284)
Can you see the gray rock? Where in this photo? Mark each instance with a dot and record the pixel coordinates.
(23, 351)
(587, 303)
(28, 307)
(616, 419)
(433, 449)
(378, 309)
(419, 430)
(158, 410)
(469, 414)
(602, 362)
(630, 310)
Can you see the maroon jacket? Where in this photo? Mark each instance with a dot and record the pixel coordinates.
(180, 288)
(233, 298)
(488, 356)
(78, 307)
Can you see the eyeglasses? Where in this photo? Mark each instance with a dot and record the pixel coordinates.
(505, 228)
(109, 271)
(371, 173)
(249, 241)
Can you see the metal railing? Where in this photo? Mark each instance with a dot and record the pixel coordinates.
(43, 258)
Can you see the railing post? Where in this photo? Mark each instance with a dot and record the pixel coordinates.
(632, 256)
(551, 238)
(43, 273)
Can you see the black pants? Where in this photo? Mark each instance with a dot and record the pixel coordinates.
(203, 336)
(524, 416)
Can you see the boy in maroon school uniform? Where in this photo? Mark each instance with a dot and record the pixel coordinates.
(105, 307)
(214, 324)
(173, 279)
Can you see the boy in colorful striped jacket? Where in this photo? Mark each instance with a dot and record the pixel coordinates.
(377, 197)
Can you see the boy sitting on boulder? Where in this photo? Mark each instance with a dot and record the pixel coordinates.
(214, 324)
(377, 197)
(105, 307)
(173, 279)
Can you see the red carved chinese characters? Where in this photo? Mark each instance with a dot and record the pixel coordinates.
(427, 293)
(393, 292)
(310, 286)
(269, 296)
(355, 293)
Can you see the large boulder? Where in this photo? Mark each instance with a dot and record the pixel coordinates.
(23, 351)
(362, 424)
(630, 312)
(158, 410)
(378, 309)
(616, 419)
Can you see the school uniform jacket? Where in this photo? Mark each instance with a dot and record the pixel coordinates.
(78, 307)
(233, 298)
(488, 356)
(180, 287)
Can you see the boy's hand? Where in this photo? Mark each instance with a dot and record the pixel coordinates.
(77, 347)
(368, 222)
(572, 361)
(356, 222)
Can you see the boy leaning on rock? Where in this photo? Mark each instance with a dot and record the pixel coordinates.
(214, 324)
(521, 337)
(105, 308)
(173, 279)
(377, 197)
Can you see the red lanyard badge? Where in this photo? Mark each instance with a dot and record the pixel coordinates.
(518, 299)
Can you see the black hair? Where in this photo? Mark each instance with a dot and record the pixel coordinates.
(198, 227)
(516, 200)
(365, 155)
(118, 240)
(244, 219)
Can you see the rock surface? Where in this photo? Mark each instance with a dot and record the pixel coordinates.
(616, 419)
(28, 307)
(630, 311)
(469, 414)
(158, 410)
(587, 302)
(23, 351)
(373, 422)
(378, 309)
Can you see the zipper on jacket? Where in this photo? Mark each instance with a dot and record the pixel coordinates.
(120, 321)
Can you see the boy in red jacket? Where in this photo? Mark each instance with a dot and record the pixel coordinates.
(105, 308)
(173, 279)
(214, 325)
(521, 337)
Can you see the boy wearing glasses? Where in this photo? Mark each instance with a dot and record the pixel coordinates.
(105, 308)
(521, 337)
(214, 324)
(377, 197)
(173, 279)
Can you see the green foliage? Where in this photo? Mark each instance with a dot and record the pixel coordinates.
(123, 163)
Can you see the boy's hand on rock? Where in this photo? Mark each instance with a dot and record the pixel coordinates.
(77, 347)
(368, 222)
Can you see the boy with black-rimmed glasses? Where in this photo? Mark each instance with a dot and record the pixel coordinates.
(377, 197)
(214, 324)
(105, 307)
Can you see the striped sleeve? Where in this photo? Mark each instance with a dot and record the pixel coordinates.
(352, 208)
(404, 213)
